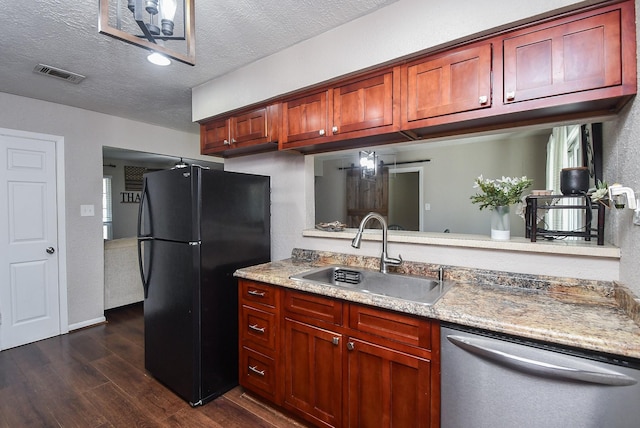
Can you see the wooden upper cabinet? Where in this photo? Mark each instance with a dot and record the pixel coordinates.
(449, 83)
(250, 127)
(364, 104)
(243, 133)
(305, 118)
(359, 107)
(574, 65)
(214, 136)
(574, 56)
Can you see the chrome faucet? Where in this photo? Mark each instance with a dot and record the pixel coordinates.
(385, 260)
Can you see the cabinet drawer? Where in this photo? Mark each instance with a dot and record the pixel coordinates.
(258, 327)
(258, 373)
(391, 325)
(316, 307)
(257, 292)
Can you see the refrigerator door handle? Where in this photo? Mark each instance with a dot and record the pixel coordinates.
(141, 208)
(144, 276)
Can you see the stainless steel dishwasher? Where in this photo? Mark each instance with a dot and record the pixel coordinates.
(497, 381)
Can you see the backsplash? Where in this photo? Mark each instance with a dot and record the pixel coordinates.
(573, 286)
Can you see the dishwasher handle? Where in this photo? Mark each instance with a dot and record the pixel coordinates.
(541, 368)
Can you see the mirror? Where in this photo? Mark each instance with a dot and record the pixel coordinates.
(426, 186)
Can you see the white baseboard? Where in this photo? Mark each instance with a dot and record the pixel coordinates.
(87, 323)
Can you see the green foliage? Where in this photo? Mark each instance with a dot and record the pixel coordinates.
(499, 192)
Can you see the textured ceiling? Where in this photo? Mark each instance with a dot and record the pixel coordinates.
(121, 82)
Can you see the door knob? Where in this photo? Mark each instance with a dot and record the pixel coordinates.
(50, 250)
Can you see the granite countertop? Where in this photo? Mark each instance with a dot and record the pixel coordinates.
(593, 315)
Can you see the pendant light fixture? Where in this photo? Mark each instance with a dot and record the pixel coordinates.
(368, 165)
(152, 24)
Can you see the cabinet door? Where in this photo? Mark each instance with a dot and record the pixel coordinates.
(214, 136)
(305, 118)
(387, 388)
(250, 128)
(576, 56)
(452, 83)
(313, 373)
(365, 104)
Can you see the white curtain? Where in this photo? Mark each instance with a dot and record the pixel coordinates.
(564, 150)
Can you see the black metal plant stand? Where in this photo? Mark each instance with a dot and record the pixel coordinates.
(546, 202)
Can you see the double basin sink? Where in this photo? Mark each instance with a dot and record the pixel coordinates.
(406, 287)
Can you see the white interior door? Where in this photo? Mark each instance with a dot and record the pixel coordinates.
(29, 288)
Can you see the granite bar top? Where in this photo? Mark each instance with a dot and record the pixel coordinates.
(594, 315)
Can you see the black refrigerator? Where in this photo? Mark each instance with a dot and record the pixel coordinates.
(195, 228)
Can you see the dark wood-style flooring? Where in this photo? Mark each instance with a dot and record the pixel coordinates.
(95, 377)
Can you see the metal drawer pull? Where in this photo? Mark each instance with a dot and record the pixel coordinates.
(483, 99)
(511, 96)
(226, 143)
(256, 293)
(256, 371)
(321, 132)
(351, 346)
(255, 327)
(335, 340)
(334, 129)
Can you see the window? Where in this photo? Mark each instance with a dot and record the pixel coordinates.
(107, 210)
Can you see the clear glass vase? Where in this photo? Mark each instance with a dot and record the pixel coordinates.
(500, 226)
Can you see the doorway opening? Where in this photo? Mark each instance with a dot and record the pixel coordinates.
(405, 211)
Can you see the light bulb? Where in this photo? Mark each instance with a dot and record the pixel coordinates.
(158, 59)
(168, 13)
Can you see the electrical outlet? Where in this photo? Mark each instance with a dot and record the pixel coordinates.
(87, 211)
(427, 207)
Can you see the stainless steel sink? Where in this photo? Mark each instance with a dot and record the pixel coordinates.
(406, 287)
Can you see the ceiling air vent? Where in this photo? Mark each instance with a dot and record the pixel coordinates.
(59, 73)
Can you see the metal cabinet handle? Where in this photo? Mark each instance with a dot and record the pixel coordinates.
(50, 250)
(226, 142)
(351, 346)
(483, 99)
(334, 129)
(255, 327)
(321, 132)
(335, 341)
(256, 293)
(256, 371)
(511, 96)
(233, 140)
(541, 368)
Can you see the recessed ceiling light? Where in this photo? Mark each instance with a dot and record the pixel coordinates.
(158, 59)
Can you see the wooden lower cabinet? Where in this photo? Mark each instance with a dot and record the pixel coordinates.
(313, 373)
(387, 388)
(339, 364)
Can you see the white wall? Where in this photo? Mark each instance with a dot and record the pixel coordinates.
(85, 133)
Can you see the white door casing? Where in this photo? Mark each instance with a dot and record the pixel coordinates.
(30, 293)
